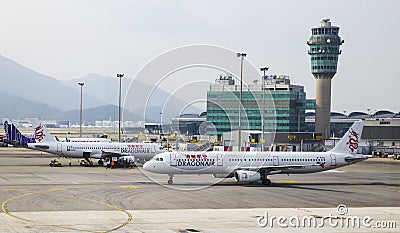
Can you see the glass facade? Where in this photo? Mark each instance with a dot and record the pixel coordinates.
(284, 107)
(324, 48)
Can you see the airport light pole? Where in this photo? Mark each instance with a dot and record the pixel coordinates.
(119, 106)
(80, 112)
(263, 69)
(242, 56)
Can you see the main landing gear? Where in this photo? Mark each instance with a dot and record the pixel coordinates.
(266, 181)
(170, 179)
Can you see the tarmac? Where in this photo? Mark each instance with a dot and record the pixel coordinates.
(38, 198)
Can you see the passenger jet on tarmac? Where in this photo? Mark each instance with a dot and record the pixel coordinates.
(92, 150)
(16, 138)
(257, 166)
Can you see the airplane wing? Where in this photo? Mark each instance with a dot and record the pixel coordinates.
(281, 168)
(109, 154)
(40, 146)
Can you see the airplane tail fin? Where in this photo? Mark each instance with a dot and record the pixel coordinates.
(41, 133)
(14, 136)
(8, 129)
(349, 142)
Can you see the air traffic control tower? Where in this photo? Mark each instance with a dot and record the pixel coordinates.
(324, 51)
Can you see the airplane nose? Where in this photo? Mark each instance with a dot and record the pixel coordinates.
(147, 166)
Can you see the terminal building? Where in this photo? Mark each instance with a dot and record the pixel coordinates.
(381, 130)
(284, 105)
(190, 124)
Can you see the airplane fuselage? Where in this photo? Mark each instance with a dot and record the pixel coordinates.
(228, 162)
(98, 150)
(257, 166)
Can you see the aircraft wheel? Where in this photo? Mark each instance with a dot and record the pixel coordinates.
(170, 180)
(266, 182)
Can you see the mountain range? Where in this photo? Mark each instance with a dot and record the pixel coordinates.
(27, 93)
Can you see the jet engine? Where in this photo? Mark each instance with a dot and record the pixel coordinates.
(247, 176)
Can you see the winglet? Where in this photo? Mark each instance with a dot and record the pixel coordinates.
(349, 142)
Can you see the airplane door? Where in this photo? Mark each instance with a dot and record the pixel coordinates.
(219, 160)
(173, 159)
(333, 160)
(275, 160)
(59, 147)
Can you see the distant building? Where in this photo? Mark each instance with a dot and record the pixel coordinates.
(190, 124)
(284, 105)
(274, 141)
(382, 125)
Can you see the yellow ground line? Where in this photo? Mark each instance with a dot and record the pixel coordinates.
(288, 181)
(393, 187)
(4, 209)
(106, 204)
(9, 189)
(58, 189)
(128, 187)
(3, 206)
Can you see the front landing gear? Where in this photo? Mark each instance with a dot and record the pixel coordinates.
(170, 179)
(266, 182)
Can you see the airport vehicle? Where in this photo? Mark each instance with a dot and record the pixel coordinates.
(54, 163)
(16, 138)
(92, 150)
(3, 140)
(257, 166)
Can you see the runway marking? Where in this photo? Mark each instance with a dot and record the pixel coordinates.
(58, 189)
(288, 181)
(128, 187)
(333, 171)
(4, 209)
(10, 189)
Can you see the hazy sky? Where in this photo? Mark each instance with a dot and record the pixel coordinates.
(70, 39)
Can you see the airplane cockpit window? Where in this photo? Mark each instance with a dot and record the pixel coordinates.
(161, 159)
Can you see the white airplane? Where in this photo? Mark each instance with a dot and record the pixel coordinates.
(15, 137)
(92, 150)
(257, 166)
(39, 130)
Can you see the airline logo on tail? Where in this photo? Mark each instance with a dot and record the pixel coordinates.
(39, 134)
(6, 126)
(353, 140)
